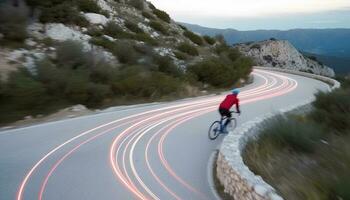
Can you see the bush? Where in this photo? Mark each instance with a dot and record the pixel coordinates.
(25, 92)
(189, 49)
(138, 4)
(183, 27)
(125, 52)
(13, 23)
(233, 54)
(333, 109)
(214, 72)
(158, 27)
(194, 37)
(112, 29)
(103, 42)
(162, 15)
(209, 39)
(151, 6)
(148, 15)
(76, 90)
(97, 93)
(144, 37)
(70, 54)
(138, 82)
(284, 132)
(89, 6)
(95, 32)
(62, 13)
(181, 56)
(133, 27)
(52, 77)
(167, 66)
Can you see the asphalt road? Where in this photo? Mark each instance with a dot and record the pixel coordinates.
(153, 151)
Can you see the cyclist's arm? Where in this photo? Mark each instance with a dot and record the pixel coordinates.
(237, 107)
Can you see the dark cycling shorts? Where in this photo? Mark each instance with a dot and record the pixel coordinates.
(224, 112)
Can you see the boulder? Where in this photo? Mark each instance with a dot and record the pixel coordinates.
(94, 18)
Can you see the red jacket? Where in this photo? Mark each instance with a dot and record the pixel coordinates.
(229, 101)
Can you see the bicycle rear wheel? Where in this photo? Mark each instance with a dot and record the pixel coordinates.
(232, 125)
(214, 130)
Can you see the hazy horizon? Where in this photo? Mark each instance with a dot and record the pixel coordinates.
(260, 15)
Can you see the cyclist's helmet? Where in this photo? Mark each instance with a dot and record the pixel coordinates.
(235, 91)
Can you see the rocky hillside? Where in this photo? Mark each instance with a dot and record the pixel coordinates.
(96, 24)
(279, 53)
(101, 53)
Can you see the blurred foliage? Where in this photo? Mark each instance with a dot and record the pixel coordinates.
(13, 23)
(162, 15)
(158, 27)
(133, 27)
(307, 156)
(138, 4)
(187, 48)
(194, 37)
(209, 40)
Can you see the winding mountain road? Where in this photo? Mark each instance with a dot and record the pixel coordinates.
(153, 151)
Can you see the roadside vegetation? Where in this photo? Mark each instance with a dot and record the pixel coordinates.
(307, 156)
(77, 77)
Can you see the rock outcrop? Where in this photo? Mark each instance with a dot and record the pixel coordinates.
(281, 54)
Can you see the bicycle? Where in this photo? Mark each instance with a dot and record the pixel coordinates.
(218, 127)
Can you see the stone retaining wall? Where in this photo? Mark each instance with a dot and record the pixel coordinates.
(234, 175)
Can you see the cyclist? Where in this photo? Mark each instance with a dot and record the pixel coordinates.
(226, 104)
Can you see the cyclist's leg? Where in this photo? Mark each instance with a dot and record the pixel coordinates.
(228, 115)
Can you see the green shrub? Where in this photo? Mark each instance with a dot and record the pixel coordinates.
(89, 6)
(62, 13)
(181, 56)
(103, 42)
(162, 15)
(76, 90)
(148, 15)
(136, 81)
(13, 23)
(112, 29)
(94, 31)
(233, 54)
(133, 27)
(103, 73)
(158, 27)
(144, 37)
(183, 27)
(151, 6)
(167, 66)
(25, 92)
(70, 54)
(189, 49)
(223, 47)
(97, 93)
(342, 188)
(138, 4)
(209, 39)
(300, 136)
(333, 109)
(194, 37)
(52, 77)
(125, 52)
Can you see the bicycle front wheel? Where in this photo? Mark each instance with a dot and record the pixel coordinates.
(214, 130)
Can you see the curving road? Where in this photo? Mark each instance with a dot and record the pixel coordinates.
(153, 151)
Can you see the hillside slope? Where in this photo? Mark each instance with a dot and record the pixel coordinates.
(101, 53)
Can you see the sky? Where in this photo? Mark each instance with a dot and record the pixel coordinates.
(259, 14)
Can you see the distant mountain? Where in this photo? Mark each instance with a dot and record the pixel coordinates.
(330, 42)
